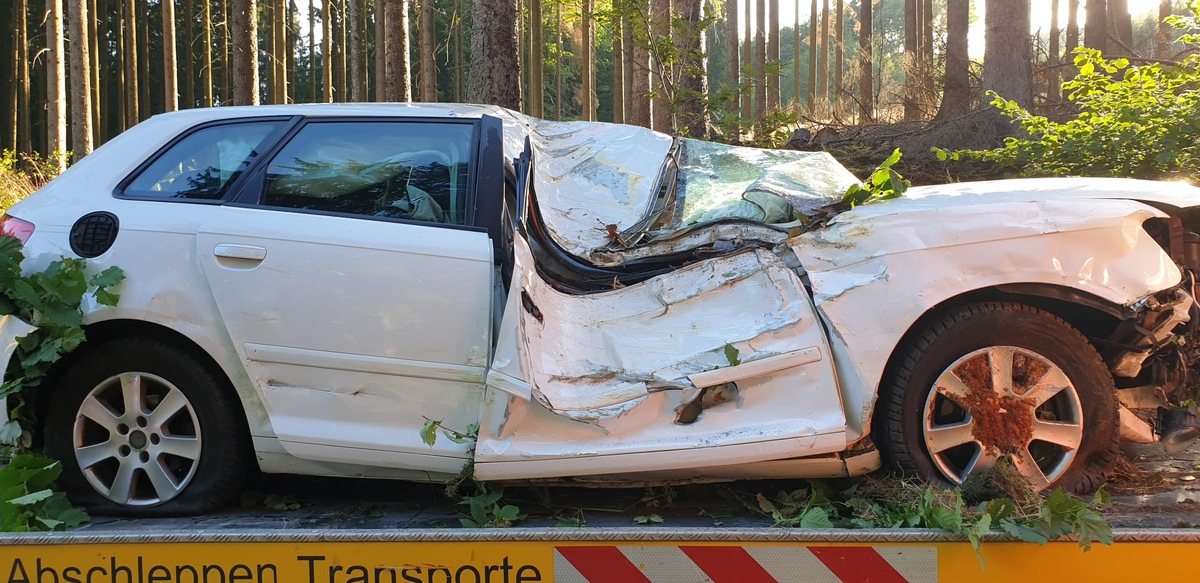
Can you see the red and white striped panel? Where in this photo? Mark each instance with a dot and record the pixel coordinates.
(737, 564)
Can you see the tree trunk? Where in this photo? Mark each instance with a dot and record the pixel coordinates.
(628, 63)
(429, 92)
(226, 55)
(131, 64)
(866, 73)
(956, 91)
(1095, 28)
(813, 23)
(537, 85)
(56, 92)
(1162, 35)
(81, 81)
(588, 100)
(327, 52)
(558, 61)
(245, 52)
(660, 75)
(399, 86)
(748, 62)
(145, 105)
(773, 81)
(823, 59)
(279, 14)
(357, 44)
(312, 53)
(380, 52)
(24, 132)
(732, 47)
(118, 89)
(206, 62)
(1120, 27)
(637, 108)
(343, 70)
(911, 60)
(760, 61)
(94, 82)
(495, 78)
(459, 69)
(188, 55)
(1071, 42)
(1007, 63)
(839, 55)
(618, 72)
(170, 80)
(1053, 80)
(796, 61)
(692, 118)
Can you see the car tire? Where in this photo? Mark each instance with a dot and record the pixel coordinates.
(143, 426)
(951, 411)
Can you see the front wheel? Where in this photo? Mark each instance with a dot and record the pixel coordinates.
(1001, 380)
(142, 426)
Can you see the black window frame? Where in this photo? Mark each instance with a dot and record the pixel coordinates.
(249, 193)
(270, 141)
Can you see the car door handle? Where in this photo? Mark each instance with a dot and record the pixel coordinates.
(243, 252)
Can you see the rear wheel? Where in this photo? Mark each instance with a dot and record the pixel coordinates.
(144, 427)
(1001, 380)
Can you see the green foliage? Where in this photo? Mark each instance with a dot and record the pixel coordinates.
(648, 519)
(486, 509)
(883, 184)
(1140, 121)
(431, 428)
(27, 500)
(21, 174)
(52, 300)
(731, 354)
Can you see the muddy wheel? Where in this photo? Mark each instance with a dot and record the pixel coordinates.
(1001, 380)
(144, 427)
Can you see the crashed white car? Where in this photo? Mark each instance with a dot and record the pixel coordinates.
(308, 286)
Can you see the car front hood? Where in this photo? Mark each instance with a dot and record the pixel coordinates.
(1176, 194)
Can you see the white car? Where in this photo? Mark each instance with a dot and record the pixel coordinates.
(307, 286)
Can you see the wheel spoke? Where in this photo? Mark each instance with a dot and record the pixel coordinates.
(944, 437)
(1051, 384)
(93, 454)
(982, 461)
(171, 404)
(1024, 463)
(1000, 360)
(122, 486)
(162, 480)
(133, 394)
(952, 387)
(1067, 435)
(184, 447)
(93, 409)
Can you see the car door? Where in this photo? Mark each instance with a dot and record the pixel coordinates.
(356, 291)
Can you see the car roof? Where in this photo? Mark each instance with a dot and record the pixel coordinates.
(449, 110)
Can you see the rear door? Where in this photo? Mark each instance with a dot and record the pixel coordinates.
(356, 290)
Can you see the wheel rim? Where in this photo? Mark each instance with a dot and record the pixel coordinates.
(1003, 401)
(137, 439)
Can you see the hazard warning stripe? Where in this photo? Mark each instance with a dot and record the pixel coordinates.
(749, 564)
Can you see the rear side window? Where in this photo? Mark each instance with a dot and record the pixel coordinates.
(413, 170)
(204, 164)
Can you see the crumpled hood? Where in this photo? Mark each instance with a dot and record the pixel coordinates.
(1177, 194)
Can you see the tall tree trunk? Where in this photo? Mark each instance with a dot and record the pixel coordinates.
(660, 73)
(226, 55)
(618, 72)
(1071, 42)
(399, 84)
(94, 67)
(495, 78)
(628, 63)
(170, 80)
(343, 70)
(694, 78)
(118, 88)
(748, 62)
(760, 60)
(537, 89)
(1095, 28)
(24, 131)
(145, 104)
(813, 25)
(866, 72)
(823, 58)
(459, 69)
(132, 114)
(956, 92)
(1120, 27)
(357, 45)
(312, 53)
(279, 14)
(81, 80)
(429, 92)
(732, 48)
(244, 42)
(588, 99)
(637, 108)
(56, 92)
(12, 75)
(1007, 62)
(291, 32)
(911, 60)
(926, 51)
(1162, 35)
(839, 60)
(206, 62)
(327, 51)
(796, 61)
(188, 55)
(773, 81)
(1053, 80)
(380, 53)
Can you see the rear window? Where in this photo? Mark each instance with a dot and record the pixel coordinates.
(203, 165)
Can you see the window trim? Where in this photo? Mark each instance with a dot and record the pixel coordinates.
(250, 192)
(271, 140)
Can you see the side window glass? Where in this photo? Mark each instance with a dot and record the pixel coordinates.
(404, 170)
(204, 164)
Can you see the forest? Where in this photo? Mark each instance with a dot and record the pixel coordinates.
(78, 72)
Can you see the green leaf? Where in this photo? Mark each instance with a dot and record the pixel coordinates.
(648, 519)
(105, 297)
(108, 278)
(1091, 527)
(31, 498)
(892, 159)
(815, 517)
(429, 431)
(940, 154)
(731, 354)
